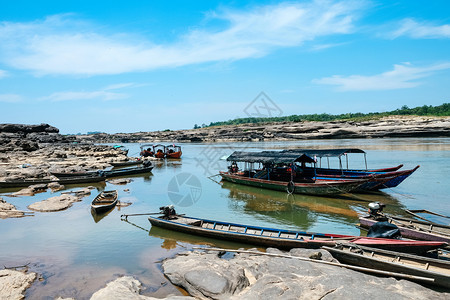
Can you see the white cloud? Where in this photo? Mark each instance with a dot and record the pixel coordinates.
(413, 29)
(104, 94)
(401, 77)
(3, 74)
(10, 98)
(62, 45)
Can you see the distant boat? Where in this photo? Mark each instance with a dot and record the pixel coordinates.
(279, 238)
(104, 201)
(436, 269)
(173, 151)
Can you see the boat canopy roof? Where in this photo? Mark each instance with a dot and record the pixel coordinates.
(275, 157)
(324, 152)
(146, 146)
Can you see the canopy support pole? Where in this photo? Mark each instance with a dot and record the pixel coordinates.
(365, 160)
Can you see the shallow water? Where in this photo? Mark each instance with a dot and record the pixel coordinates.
(76, 253)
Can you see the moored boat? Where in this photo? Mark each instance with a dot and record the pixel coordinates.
(63, 181)
(279, 238)
(104, 201)
(292, 181)
(173, 151)
(436, 269)
(145, 168)
(409, 228)
(127, 163)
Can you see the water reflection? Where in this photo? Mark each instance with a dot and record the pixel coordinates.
(98, 217)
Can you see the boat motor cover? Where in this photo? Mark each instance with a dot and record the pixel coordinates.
(385, 230)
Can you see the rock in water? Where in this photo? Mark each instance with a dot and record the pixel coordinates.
(14, 283)
(54, 203)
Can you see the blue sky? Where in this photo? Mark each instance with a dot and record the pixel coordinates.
(153, 65)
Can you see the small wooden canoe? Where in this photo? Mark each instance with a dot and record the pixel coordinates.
(279, 238)
(126, 163)
(413, 229)
(104, 201)
(436, 269)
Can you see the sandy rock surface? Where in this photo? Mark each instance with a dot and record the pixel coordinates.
(126, 288)
(14, 283)
(54, 203)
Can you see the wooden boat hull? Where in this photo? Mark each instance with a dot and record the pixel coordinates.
(104, 202)
(126, 163)
(174, 154)
(62, 181)
(411, 233)
(391, 261)
(325, 187)
(279, 238)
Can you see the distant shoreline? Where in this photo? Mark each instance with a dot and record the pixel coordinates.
(386, 127)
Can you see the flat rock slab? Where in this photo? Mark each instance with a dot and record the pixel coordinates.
(126, 287)
(54, 203)
(14, 283)
(7, 210)
(245, 276)
(120, 181)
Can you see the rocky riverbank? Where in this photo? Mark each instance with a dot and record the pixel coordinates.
(209, 275)
(392, 126)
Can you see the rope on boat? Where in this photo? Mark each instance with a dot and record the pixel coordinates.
(211, 178)
(125, 217)
(362, 269)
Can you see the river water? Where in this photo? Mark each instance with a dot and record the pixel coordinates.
(75, 253)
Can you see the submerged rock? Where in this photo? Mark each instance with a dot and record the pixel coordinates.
(247, 276)
(54, 203)
(14, 283)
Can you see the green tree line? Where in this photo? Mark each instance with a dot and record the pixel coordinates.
(426, 110)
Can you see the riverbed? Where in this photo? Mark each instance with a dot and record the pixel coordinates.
(75, 253)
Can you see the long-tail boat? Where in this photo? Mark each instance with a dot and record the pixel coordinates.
(104, 201)
(173, 151)
(436, 269)
(279, 238)
(159, 151)
(345, 173)
(145, 168)
(282, 168)
(63, 181)
(288, 179)
(409, 228)
(147, 150)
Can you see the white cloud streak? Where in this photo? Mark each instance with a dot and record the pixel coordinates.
(416, 30)
(10, 98)
(61, 45)
(104, 94)
(401, 77)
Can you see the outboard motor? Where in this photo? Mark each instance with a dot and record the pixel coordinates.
(375, 208)
(168, 211)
